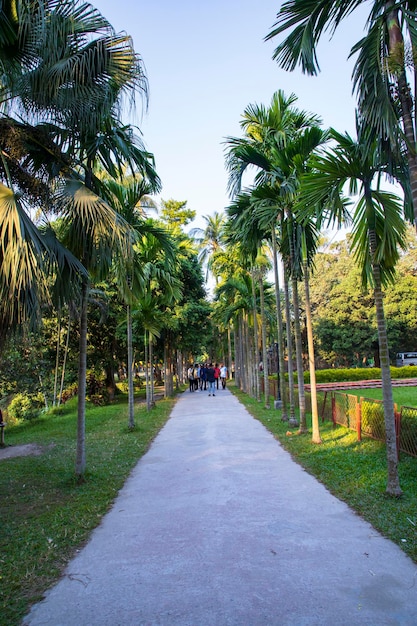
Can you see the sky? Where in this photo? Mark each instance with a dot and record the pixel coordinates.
(205, 63)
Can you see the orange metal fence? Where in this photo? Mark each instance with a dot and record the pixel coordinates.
(365, 416)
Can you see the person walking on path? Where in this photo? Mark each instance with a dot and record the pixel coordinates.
(217, 374)
(223, 375)
(211, 379)
(203, 377)
(217, 526)
(190, 375)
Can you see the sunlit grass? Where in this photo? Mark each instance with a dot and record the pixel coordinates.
(45, 514)
(403, 396)
(355, 472)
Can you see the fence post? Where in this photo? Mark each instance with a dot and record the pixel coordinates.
(333, 409)
(324, 406)
(397, 417)
(359, 418)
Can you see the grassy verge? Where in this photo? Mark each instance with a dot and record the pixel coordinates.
(353, 471)
(45, 515)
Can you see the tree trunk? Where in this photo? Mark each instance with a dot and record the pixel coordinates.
(147, 375)
(169, 387)
(393, 482)
(293, 420)
(131, 402)
(280, 334)
(229, 350)
(58, 343)
(64, 364)
(264, 347)
(299, 357)
(80, 463)
(152, 397)
(255, 368)
(311, 360)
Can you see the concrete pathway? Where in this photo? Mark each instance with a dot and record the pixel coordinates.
(217, 526)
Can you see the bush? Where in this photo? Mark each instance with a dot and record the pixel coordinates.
(96, 390)
(123, 385)
(25, 406)
(69, 392)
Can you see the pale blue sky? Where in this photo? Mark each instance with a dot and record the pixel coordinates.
(205, 63)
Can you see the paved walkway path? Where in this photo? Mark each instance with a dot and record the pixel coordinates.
(217, 526)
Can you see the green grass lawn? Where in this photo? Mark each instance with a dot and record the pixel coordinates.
(45, 514)
(403, 396)
(353, 471)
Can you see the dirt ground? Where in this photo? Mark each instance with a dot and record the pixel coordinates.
(26, 449)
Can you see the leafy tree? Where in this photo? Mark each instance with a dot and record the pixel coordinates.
(176, 214)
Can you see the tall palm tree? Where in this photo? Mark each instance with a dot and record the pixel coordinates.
(127, 198)
(378, 232)
(278, 142)
(210, 240)
(385, 57)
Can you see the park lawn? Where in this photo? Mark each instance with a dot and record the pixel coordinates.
(46, 515)
(403, 396)
(353, 471)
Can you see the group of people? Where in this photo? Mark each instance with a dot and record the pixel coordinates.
(207, 376)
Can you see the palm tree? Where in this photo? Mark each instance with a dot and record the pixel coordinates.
(278, 142)
(128, 197)
(51, 64)
(210, 240)
(378, 231)
(384, 57)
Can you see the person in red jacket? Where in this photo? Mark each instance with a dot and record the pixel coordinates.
(217, 374)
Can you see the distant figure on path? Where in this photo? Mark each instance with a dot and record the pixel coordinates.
(217, 374)
(223, 375)
(190, 374)
(211, 379)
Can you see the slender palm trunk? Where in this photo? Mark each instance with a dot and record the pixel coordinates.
(245, 354)
(311, 360)
(393, 482)
(58, 343)
(64, 364)
(237, 352)
(255, 369)
(280, 333)
(264, 346)
(292, 420)
(299, 356)
(147, 377)
(152, 395)
(229, 350)
(80, 463)
(131, 404)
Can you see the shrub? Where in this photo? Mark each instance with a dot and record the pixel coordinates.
(25, 406)
(96, 390)
(69, 392)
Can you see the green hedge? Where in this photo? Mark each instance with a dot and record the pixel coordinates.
(366, 373)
